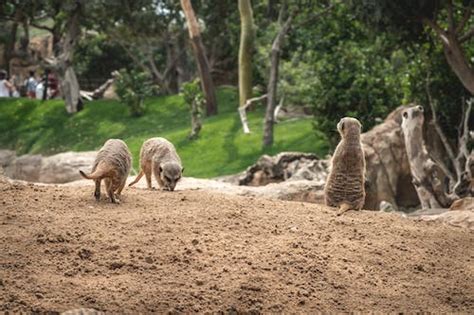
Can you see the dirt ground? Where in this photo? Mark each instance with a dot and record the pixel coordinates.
(195, 251)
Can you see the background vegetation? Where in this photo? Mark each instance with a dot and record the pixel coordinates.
(359, 58)
(30, 126)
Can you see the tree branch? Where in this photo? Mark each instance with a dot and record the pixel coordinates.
(313, 18)
(441, 134)
(41, 27)
(462, 186)
(450, 16)
(243, 111)
(439, 31)
(467, 35)
(465, 18)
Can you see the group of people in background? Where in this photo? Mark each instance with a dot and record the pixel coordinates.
(33, 87)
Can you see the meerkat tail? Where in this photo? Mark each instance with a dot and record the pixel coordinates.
(98, 174)
(139, 176)
(343, 209)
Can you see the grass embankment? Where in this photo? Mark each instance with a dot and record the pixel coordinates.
(29, 126)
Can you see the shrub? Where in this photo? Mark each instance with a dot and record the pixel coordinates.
(132, 87)
(193, 96)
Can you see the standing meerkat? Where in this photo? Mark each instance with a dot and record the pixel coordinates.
(159, 156)
(345, 184)
(112, 164)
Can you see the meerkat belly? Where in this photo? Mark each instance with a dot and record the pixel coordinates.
(345, 187)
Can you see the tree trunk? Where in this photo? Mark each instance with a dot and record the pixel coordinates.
(10, 47)
(181, 68)
(458, 62)
(273, 85)
(453, 52)
(63, 65)
(207, 84)
(171, 74)
(70, 90)
(196, 124)
(245, 51)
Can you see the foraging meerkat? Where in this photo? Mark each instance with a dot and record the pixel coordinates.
(159, 156)
(112, 164)
(345, 184)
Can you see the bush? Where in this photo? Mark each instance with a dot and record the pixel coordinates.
(193, 96)
(132, 87)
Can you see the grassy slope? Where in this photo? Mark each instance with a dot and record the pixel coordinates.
(34, 127)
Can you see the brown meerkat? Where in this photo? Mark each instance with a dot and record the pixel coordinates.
(345, 184)
(112, 164)
(159, 156)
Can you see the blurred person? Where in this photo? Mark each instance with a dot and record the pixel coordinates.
(5, 86)
(30, 85)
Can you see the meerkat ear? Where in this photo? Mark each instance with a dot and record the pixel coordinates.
(182, 170)
(161, 169)
(405, 115)
(420, 108)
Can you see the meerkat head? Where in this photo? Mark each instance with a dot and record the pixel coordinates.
(170, 174)
(413, 113)
(349, 126)
(413, 117)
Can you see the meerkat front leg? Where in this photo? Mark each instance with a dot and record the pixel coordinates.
(160, 182)
(147, 170)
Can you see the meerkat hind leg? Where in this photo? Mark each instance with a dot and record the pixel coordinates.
(110, 190)
(122, 185)
(97, 189)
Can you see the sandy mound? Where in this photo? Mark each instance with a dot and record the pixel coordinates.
(192, 251)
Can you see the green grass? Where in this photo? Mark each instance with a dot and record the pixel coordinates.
(44, 127)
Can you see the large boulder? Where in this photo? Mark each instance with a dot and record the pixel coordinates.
(388, 172)
(463, 204)
(26, 167)
(460, 218)
(59, 168)
(285, 166)
(6, 157)
(63, 167)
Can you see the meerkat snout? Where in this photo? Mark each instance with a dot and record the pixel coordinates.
(170, 174)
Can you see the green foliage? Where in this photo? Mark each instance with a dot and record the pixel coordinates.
(132, 88)
(95, 57)
(193, 96)
(340, 69)
(428, 64)
(191, 92)
(30, 126)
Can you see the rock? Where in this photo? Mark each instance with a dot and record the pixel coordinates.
(59, 168)
(6, 157)
(463, 204)
(284, 166)
(386, 206)
(64, 167)
(459, 218)
(26, 167)
(110, 93)
(388, 172)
